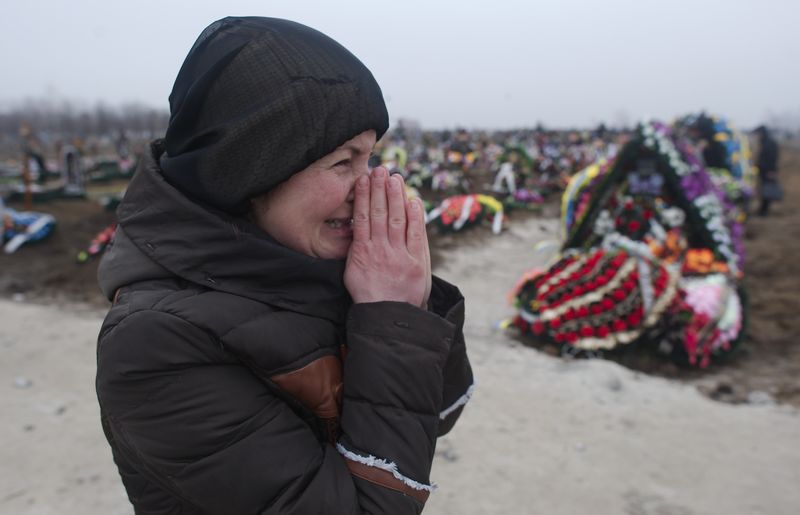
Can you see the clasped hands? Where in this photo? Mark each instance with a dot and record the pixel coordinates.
(389, 258)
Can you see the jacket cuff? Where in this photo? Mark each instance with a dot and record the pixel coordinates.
(393, 382)
(447, 301)
(385, 474)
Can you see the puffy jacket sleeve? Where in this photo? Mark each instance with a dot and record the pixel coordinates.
(393, 383)
(209, 432)
(447, 302)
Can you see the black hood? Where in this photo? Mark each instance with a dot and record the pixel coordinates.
(256, 101)
(162, 234)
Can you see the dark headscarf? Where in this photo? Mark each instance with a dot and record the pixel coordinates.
(259, 99)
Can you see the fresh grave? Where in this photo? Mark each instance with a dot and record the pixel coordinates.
(651, 257)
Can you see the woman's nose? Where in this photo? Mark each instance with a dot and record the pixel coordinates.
(361, 170)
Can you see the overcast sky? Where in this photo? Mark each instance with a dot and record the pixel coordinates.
(489, 64)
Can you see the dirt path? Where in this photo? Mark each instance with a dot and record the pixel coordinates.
(54, 459)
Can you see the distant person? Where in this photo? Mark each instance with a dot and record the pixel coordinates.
(123, 146)
(713, 152)
(32, 149)
(277, 343)
(72, 168)
(769, 188)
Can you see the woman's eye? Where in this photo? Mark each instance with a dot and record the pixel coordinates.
(343, 162)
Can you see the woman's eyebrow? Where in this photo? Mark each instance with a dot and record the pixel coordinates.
(339, 154)
(356, 149)
(339, 151)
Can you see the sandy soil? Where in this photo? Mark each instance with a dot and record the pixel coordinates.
(542, 434)
(547, 435)
(54, 458)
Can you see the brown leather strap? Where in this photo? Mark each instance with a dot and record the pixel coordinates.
(385, 479)
(317, 385)
(332, 429)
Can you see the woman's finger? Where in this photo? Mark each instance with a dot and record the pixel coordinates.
(415, 232)
(405, 202)
(426, 250)
(402, 183)
(397, 212)
(361, 230)
(428, 271)
(378, 211)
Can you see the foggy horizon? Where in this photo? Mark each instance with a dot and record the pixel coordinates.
(506, 65)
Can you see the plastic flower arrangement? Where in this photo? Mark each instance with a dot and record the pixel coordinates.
(649, 258)
(23, 227)
(456, 213)
(597, 300)
(98, 244)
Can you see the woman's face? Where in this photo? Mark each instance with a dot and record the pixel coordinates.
(312, 211)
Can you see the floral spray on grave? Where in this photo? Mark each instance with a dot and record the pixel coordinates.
(648, 259)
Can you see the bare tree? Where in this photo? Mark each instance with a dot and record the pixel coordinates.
(59, 121)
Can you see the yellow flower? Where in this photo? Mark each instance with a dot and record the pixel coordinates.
(494, 205)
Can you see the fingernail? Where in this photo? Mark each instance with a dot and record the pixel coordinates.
(393, 182)
(379, 172)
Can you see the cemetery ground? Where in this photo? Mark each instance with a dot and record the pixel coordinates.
(543, 434)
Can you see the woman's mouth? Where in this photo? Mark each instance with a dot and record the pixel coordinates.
(340, 223)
